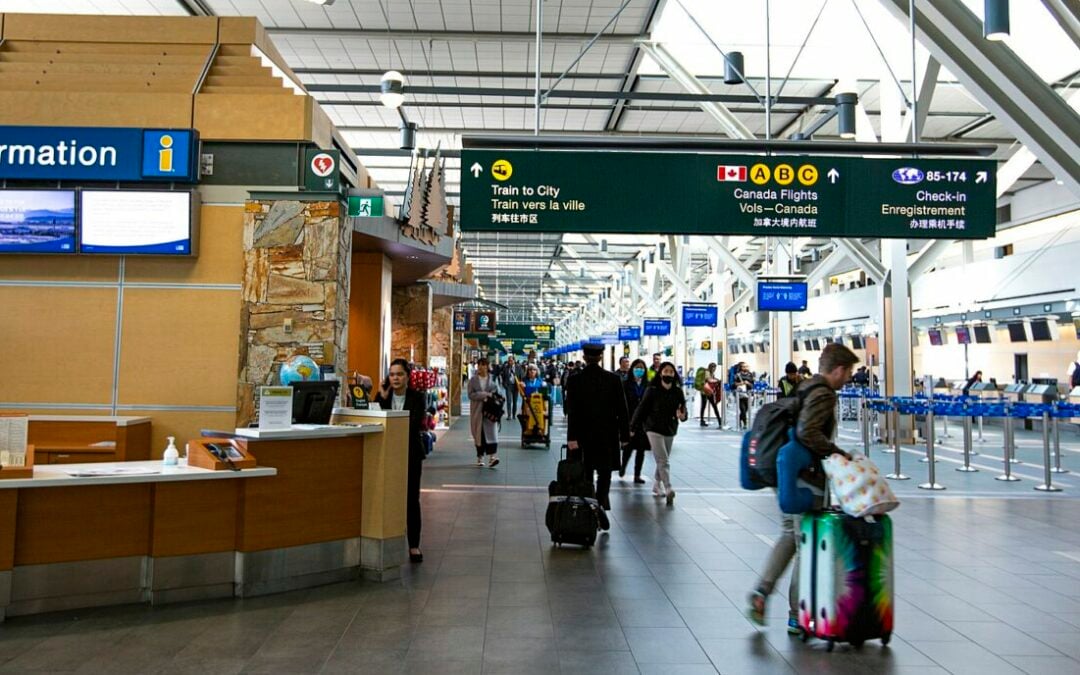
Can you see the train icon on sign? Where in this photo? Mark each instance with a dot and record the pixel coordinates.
(908, 175)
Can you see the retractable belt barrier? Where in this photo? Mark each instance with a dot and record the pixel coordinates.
(968, 408)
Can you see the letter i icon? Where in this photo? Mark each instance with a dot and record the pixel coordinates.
(165, 154)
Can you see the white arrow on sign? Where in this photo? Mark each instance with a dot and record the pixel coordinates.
(476, 169)
(833, 175)
(981, 176)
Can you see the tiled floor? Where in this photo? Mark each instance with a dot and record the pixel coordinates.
(987, 577)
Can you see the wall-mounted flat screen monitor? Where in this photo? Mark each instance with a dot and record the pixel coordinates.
(1017, 333)
(743, 348)
(856, 342)
(963, 335)
(982, 334)
(794, 345)
(827, 340)
(809, 345)
(817, 344)
(1040, 330)
(733, 348)
(935, 337)
(137, 222)
(37, 221)
(1076, 327)
(776, 296)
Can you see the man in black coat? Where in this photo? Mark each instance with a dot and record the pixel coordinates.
(597, 421)
(396, 394)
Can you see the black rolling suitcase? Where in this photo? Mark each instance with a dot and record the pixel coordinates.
(573, 515)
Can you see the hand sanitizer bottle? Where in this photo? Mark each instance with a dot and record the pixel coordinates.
(172, 455)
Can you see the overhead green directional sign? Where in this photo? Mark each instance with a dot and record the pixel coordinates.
(686, 193)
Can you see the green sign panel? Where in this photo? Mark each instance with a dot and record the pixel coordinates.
(365, 207)
(684, 193)
(533, 332)
(322, 170)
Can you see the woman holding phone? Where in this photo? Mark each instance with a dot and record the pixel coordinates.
(659, 414)
(395, 394)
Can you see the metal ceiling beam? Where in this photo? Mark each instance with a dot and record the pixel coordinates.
(827, 265)
(590, 141)
(1067, 14)
(714, 108)
(515, 92)
(1022, 160)
(863, 258)
(409, 74)
(926, 259)
(626, 39)
(1001, 82)
(588, 107)
(195, 7)
(927, 86)
(731, 262)
(630, 76)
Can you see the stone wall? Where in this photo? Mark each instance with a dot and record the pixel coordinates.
(410, 316)
(442, 329)
(296, 269)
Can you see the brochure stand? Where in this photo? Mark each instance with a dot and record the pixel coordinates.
(208, 453)
(24, 471)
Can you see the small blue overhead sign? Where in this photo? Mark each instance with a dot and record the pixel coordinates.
(699, 315)
(657, 327)
(629, 333)
(99, 154)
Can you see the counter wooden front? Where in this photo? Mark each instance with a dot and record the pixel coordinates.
(324, 505)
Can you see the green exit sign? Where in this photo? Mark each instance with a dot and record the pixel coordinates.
(710, 194)
(365, 207)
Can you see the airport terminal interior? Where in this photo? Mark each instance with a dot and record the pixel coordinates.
(540, 336)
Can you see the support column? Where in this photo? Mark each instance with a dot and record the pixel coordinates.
(894, 344)
(411, 323)
(780, 322)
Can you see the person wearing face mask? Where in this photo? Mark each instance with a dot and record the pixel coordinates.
(485, 436)
(659, 414)
(634, 389)
(396, 394)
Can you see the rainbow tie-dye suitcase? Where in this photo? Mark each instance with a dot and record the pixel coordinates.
(845, 578)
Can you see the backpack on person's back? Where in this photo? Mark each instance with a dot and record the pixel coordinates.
(770, 431)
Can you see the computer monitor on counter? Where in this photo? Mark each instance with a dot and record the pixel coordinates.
(313, 402)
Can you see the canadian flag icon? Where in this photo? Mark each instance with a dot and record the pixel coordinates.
(735, 174)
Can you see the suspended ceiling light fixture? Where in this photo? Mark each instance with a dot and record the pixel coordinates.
(845, 109)
(392, 89)
(324, 3)
(995, 19)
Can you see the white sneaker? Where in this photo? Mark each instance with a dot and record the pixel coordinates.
(480, 462)
(493, 461)
(657, 490)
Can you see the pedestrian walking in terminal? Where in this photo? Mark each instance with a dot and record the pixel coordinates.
(814, 430)
(509, 381)
(634, 390)
(396, 394)
(709, 390)
(790, 381)
(659, 414)
(597, 420)
(484, 433)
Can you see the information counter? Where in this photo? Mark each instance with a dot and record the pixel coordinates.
(322, 505)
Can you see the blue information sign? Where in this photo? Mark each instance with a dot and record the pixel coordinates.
(594, 340)
(462, 321)
(99, 154)
(774, 296)
(657, 327)
(611, 338)
(629, 333)
(699, 315)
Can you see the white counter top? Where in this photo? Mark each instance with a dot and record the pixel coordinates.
(373, 412)
(119, 421)
(59, 475)
(307, 431)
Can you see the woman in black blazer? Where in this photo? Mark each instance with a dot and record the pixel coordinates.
(396, 394)
(634, 387)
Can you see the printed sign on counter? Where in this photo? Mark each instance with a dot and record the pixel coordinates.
(275, 407)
